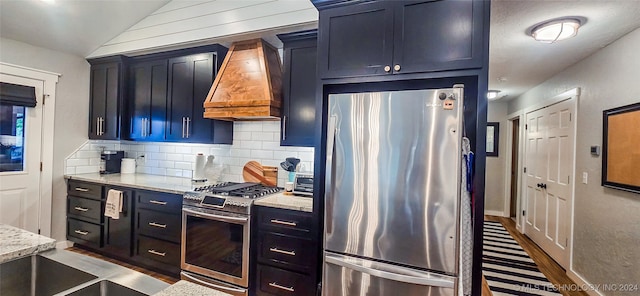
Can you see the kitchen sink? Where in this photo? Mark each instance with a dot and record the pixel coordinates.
(37, 275)
(106, 288)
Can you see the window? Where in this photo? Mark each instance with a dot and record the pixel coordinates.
(12, 138)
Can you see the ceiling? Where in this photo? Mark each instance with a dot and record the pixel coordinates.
(74, 26)
(80, 27)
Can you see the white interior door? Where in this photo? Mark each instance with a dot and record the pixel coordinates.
(21, 138)
(549, 157)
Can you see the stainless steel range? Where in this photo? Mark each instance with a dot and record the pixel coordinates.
(216, 228)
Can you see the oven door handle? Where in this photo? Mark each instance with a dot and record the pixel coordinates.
(211, 284)
(217, 217)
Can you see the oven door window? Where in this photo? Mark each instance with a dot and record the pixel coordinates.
(214, 245)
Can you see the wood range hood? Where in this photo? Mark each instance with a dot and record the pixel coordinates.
(248, 85)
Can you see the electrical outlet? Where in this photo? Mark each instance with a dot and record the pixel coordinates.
(140, 159)
(585, 177)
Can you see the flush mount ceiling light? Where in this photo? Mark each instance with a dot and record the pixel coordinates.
(555, 30)
(492, 95)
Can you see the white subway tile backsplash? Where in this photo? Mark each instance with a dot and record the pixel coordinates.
(77, 162)
(174, 157)
(259, 141)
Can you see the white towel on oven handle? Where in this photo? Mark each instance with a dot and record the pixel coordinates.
(113, 206)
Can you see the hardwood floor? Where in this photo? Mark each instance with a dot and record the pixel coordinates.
(547, 266)
(160, 276)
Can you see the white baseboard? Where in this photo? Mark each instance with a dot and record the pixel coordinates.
(63, 245)
(494, 213)
(580, 281)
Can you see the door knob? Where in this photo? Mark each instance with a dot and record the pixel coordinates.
(387, 68)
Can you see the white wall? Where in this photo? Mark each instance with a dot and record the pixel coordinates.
(606, 221)
(72, 106)
(494, 192)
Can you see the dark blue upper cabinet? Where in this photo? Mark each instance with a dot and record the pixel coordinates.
(108, 79)
(396, 37)
(299, 89)
(148, 99)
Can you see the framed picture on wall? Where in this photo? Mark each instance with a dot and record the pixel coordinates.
(621, 148)
(493, 138)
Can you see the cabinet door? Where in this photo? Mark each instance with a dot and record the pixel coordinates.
(437, 35)
(104, 119)
(148, 94)
(299, 110)
(117, 232)
(199, 129)
(179, 97)
(356, 40)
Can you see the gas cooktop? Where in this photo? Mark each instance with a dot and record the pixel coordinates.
(228, 196)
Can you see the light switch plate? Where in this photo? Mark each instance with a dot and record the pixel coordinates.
(585, 177)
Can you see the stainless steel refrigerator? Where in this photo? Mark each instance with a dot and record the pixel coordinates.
(392, 193)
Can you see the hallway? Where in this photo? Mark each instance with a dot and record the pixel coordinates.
(552, 270)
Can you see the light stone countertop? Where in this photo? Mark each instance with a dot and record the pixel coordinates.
(185, 288)
(290, 202)
(16, 243)
(175, 185)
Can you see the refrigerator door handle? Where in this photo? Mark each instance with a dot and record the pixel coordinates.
(428, 279)
(328, 180)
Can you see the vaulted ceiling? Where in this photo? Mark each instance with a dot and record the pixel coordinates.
(517, 62)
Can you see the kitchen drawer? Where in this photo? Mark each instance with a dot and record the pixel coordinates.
(285, 221)
(158, 250)
(159, 225)
(85, 232)
(84, 189)
(286, 251)
(158, 201)
(275, 281)
(85, 209)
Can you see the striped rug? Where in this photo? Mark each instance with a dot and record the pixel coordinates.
(508, 268)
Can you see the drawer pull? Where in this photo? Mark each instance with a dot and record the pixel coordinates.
(154, 252)
(276, 221)
(275, 285)
(154, 224)
(81, 232)
(82, 189)
(162, 203)
(276, 250)
(80, 209)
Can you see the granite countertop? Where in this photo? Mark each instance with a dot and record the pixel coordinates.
(16, 243)
(189, 289)
(290, 202)
(175, 185)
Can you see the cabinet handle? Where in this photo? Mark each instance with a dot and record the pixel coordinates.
(276, 221)
(188, 124)
(101, 126)
(276, 250)
(387, 69)
(275, 285)
(80, 209)
(142, 127)
(98, 126)
(154, 252)
(284, 127)
(81, 232)
(183, 125)
(82, 189)
(162, 203)
(396, 68)
(154, 224)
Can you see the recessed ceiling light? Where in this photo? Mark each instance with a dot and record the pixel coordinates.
(556, 30)
(492, 94)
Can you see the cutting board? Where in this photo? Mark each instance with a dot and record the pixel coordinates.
(255, 172)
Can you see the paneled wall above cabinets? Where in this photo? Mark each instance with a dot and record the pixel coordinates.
(157, 97)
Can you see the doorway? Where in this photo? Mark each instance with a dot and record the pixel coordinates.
(26, 134)
(515, 156)
(548, 177)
